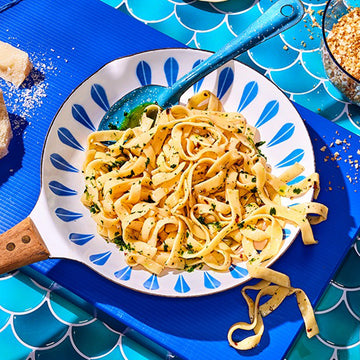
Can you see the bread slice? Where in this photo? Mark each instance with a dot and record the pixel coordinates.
(15, 65)
(5, 128)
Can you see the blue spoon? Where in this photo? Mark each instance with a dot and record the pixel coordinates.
(126, 112)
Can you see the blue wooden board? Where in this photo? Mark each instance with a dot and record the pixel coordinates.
(81, 37)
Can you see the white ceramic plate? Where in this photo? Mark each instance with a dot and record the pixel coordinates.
(68, 222)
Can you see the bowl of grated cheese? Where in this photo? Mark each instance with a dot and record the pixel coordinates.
(341, 46)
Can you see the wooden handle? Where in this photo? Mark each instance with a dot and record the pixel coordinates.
(21, 245)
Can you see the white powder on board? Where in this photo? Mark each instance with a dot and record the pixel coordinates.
(25, 101)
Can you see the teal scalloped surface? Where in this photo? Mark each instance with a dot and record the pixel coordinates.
(38, 323)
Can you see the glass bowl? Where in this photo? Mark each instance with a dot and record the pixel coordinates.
(348, 84)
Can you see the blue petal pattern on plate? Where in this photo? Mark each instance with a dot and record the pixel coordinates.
(181, 285)
(80, 239)
(295, 156)
(67, 138)
(238, 272)
(285, 133)
(171, 69)
(210, 282)
(296, 180)
(151, 283)
(98, 94)
(80, 115)
(143, 72)
(198, 84)
(60, 189)
(67, 215)
(100, 259)
(60, 163)
(270, 110)
(124, 273)
(286, 233)
(249, 94)
(226, 78)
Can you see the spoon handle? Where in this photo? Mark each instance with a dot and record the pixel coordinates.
(278, 18)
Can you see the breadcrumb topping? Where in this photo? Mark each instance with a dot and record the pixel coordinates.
(344, 42)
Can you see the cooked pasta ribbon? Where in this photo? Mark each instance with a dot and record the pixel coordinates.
(278, 287)
(189, 187)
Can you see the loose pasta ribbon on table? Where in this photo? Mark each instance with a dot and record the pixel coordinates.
(277, 286)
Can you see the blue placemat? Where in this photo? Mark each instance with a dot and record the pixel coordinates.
(67, 51)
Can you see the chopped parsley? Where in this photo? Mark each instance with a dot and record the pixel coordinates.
(193, 267)
(240, 224)
(115, 164)
(217, 225)
(112, 127)
(94, 209)
(257, 145)
(189, 248)
(119, 241)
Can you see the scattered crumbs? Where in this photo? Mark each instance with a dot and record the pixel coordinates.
(352, 161)
(344, 44)
(285, 47)
(343, 41)
(315, 23)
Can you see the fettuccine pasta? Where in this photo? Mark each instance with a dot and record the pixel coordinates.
(278, 287)
(189, 187)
